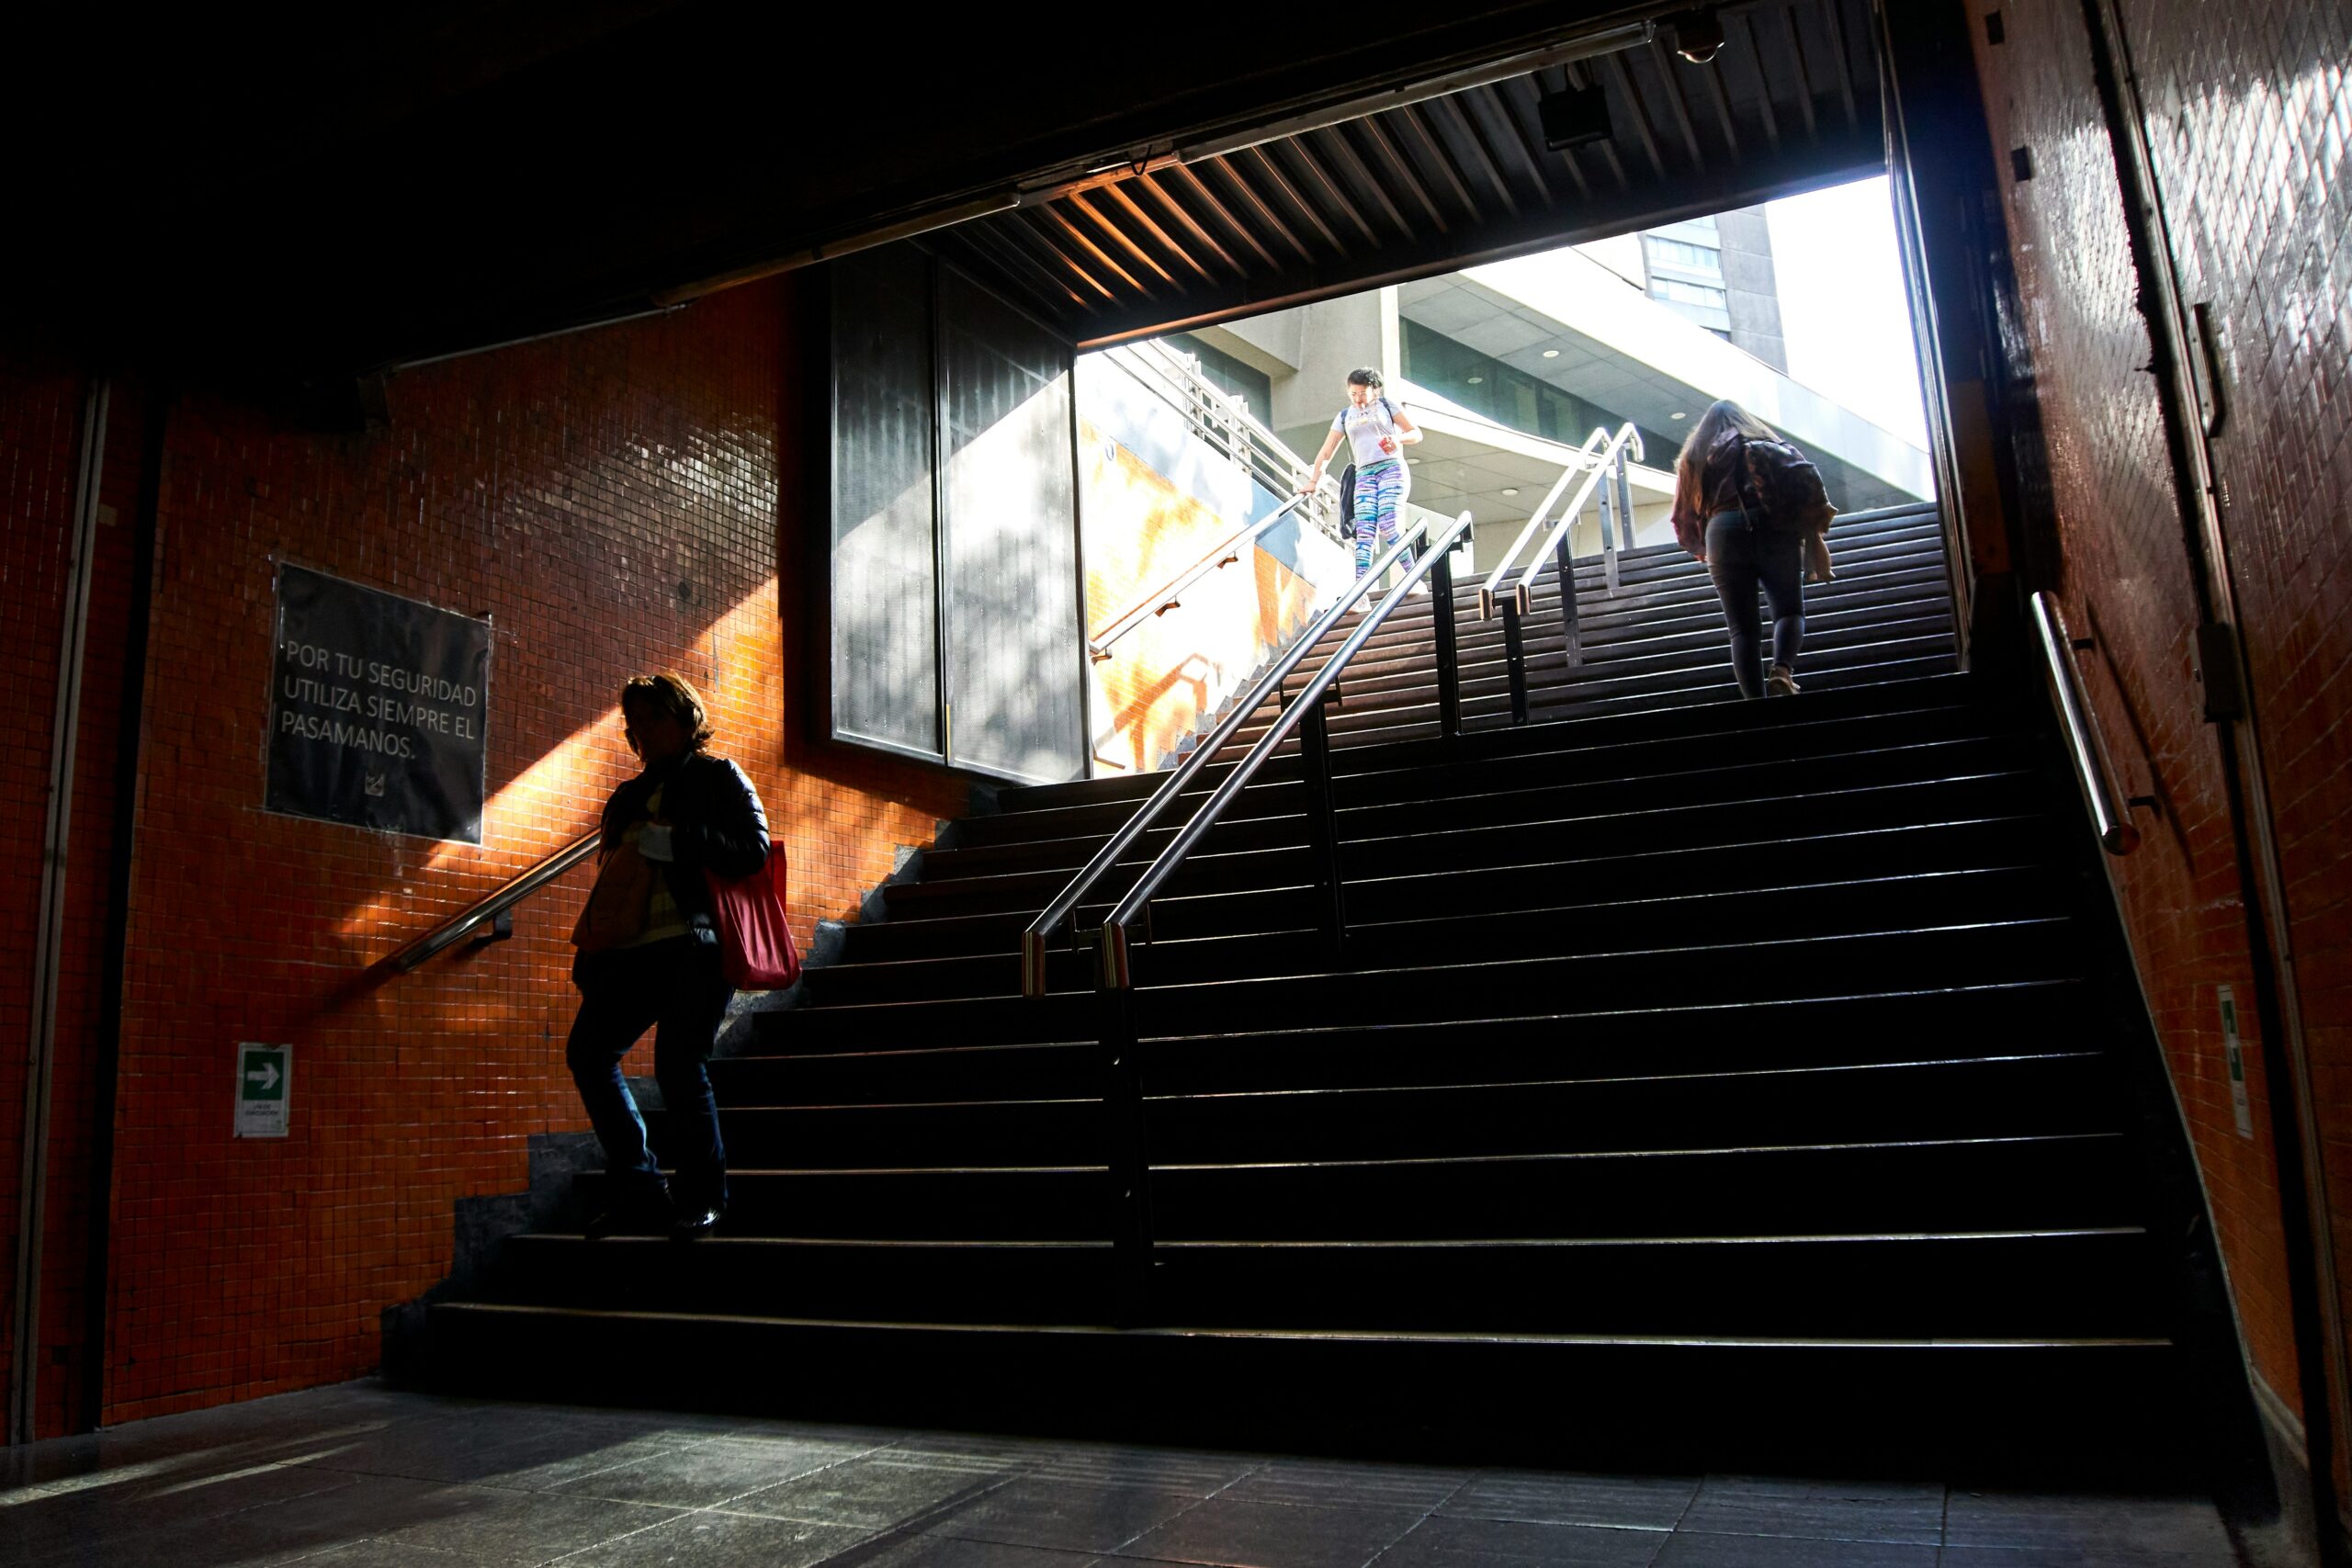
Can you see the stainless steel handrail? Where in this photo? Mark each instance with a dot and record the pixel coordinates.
(2085, 748)
(1576, 465)
(1626, 437)
(450, 932)
(1267, 457)
(1049, 919)
(1115, 973)
(1166, 597)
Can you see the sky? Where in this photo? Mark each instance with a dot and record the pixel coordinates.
(1842, 307)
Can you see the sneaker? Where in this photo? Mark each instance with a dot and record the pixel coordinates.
(1781, 682)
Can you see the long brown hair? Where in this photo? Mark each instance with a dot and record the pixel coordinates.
(1722, 418)
(671, 694)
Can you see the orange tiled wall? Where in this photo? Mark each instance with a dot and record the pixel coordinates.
(1163, 679)
(614, 500)
(2249, 112)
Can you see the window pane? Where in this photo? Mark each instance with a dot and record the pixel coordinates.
(885, 606)
(1009, 534)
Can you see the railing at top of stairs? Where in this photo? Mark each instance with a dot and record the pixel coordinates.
(1225, 423)
(1602, 457)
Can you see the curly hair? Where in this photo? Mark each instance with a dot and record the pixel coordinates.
(671, 694)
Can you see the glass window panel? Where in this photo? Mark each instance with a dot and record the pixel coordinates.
(1010, 540)
(885, 579)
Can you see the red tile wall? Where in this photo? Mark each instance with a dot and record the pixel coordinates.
(616, 502)
(2248, 114)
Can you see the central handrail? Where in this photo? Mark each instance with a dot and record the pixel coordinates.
(1627, 435)
(518, 889)
(1114, 973)
(2085, 748)
(1586, 455)
(1169, 594)
(1065, 903)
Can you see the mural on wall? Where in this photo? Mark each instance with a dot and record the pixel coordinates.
(1160, 684)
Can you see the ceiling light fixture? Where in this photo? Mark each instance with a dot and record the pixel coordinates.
(1477, 381)
(1675, 414)
(1551, 353)
(1511, 490)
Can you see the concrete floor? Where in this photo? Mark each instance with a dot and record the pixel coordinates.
(364, 1474)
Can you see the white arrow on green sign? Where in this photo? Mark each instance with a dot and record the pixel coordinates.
(264, 1090)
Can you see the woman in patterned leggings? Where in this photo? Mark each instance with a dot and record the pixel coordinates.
(1376, 431)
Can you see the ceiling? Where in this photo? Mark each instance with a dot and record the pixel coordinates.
(1790, 101)
(224, 193)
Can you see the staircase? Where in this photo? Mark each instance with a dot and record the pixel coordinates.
(1698, 1079)
(1658, 640)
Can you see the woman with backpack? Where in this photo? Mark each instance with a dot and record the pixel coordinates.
(1752, 508)
(1376, 431)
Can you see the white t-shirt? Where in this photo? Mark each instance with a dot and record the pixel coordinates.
(1363, 428)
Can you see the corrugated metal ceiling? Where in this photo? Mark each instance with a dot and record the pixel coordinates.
(1792, 99)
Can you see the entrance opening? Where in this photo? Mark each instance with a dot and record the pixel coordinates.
(1551, 394)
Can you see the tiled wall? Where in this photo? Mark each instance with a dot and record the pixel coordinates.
(2248, 113)
(615, 502)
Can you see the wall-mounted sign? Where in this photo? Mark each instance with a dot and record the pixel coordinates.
(265, 1089)
(378, 709)
(2233, 1054)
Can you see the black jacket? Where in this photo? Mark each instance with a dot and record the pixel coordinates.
(716, 823)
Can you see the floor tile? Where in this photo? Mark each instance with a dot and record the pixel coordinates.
(1641, 1502)
(1228, 1530)
(2111, 1524)
(95, 1521)
(378, 1554)
(1820, 1510)
(1790, 1551)
(1068, 1516)
(357, 1511)
(877, 1491)
(518, 1527)
(701, 1474)
(724, 1540)
(1329, 1481)
(947, 1551)
(1447, 1541)
(2084, 1557)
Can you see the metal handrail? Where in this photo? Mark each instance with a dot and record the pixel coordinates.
(1627, 435)
(1114, 973)
(2085, 748)
(1049, 919)
(1168, 595)
(1576, 465)
(1265, 455)
(450, 932)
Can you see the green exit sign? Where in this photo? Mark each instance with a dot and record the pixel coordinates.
(265, 1089)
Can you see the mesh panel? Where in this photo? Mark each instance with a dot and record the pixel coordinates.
(885, 577)
(1011, 536)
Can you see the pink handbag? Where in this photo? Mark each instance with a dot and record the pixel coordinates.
(755, 945)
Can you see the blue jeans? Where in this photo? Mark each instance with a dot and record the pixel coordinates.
(677, 989)
(1381, 489)
(1742, 558)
